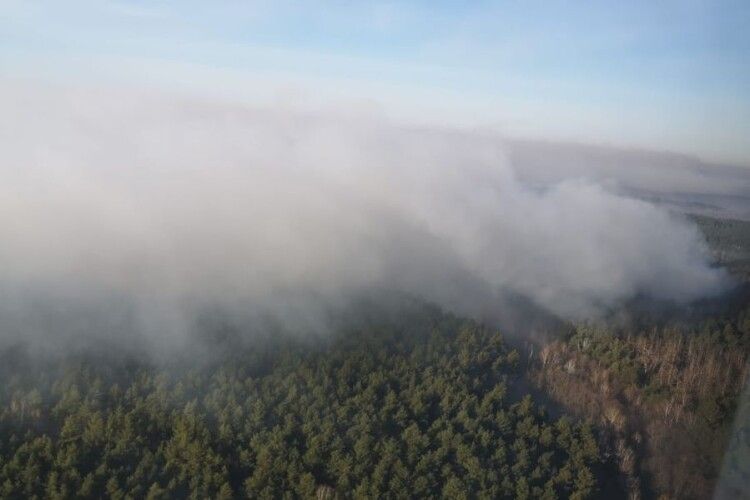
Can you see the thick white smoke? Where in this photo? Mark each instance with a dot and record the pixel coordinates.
(106, 193)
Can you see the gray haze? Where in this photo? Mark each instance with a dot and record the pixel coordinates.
(676, 181)
(155, 205)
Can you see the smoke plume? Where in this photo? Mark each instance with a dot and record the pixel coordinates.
(166, 204)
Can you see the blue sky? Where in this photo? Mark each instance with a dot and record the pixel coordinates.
(657, 74)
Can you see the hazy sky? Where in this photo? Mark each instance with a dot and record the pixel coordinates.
(661, 75)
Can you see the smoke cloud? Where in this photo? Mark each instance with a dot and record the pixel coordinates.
(162, 204)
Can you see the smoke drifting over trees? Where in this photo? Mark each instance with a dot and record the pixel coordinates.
(165, 204)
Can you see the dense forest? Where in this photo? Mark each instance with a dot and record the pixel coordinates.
(417, 404)
(409, 403)
(662, 394)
